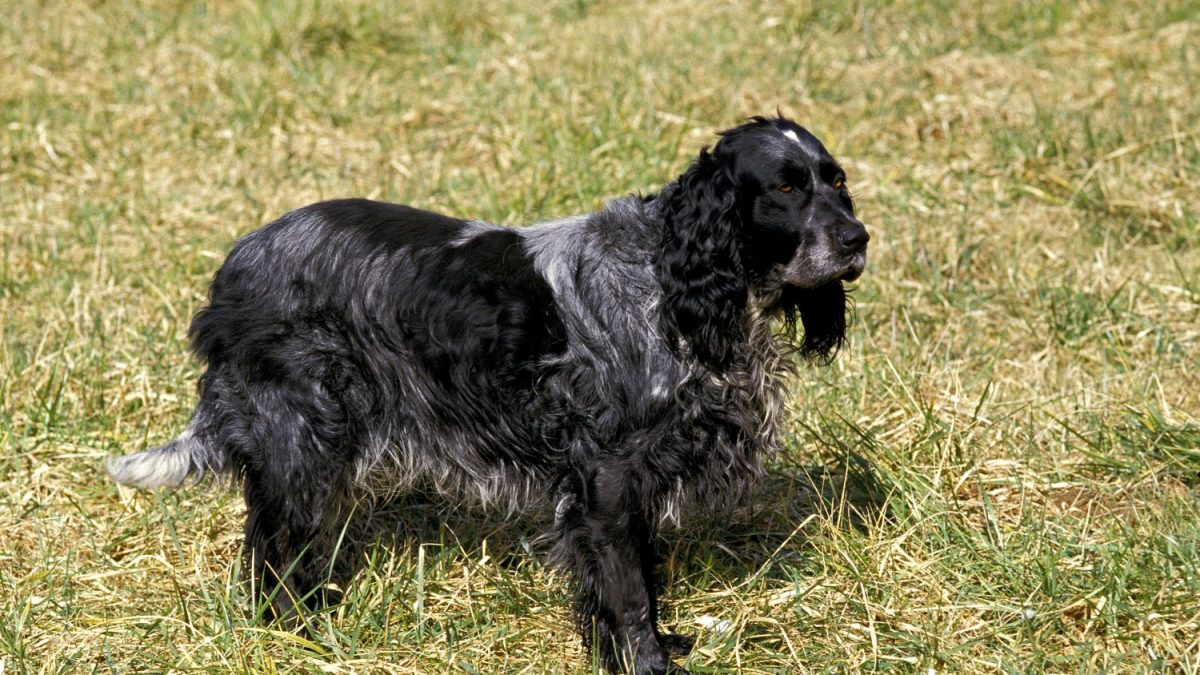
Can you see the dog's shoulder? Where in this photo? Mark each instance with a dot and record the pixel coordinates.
(603, 254)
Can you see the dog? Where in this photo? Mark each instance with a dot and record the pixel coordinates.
(606, 369)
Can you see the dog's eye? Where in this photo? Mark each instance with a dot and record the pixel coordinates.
(839, 183)
(785, 187)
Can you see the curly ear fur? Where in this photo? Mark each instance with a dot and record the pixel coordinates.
(699, 262)
(823, 311)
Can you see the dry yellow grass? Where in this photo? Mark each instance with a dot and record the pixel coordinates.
(999, 475)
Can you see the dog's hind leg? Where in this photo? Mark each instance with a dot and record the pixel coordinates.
(289, 539)
(295, 465)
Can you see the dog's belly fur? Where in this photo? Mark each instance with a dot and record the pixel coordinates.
(454, 464)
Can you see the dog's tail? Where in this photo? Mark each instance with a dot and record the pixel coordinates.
(189, 457)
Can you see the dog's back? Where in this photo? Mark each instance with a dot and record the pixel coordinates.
(367, 329)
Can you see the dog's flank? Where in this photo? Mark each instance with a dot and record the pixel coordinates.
(606, 369)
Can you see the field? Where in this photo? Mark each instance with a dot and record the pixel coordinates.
(999, 474)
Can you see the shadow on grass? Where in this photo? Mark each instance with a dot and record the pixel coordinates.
(773, 523)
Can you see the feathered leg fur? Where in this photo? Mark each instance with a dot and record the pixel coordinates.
(606, 539)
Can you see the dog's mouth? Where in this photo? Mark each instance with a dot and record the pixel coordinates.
(807, 271)
(858, 263)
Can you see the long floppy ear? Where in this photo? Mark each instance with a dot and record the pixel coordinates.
(699, 263)
(823, 311)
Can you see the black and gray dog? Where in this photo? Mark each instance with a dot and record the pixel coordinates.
(607, 368)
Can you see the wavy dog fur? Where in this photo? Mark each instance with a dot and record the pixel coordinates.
(605, 367)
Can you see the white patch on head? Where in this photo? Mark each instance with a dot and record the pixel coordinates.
(792, 135)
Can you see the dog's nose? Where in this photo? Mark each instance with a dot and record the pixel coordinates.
(853, 236)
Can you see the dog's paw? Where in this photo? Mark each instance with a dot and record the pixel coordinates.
(677, 644)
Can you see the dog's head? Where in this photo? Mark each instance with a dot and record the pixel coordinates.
(764, 217)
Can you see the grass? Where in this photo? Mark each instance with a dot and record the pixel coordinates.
(998, 475)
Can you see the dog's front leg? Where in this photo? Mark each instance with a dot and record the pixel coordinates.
(607, 537)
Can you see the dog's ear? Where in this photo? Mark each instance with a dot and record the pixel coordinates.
(699, 262)
(823, 314)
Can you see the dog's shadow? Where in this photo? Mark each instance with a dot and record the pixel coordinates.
(775, 522)
(771, 523)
